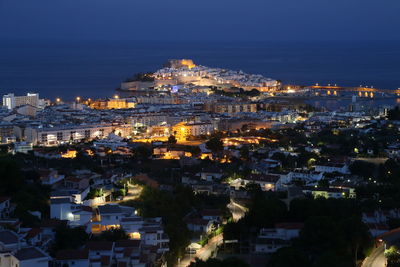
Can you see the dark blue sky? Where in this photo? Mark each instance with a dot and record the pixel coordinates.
(247, 20)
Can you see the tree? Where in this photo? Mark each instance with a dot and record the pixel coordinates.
(394, 114)
(24, 189)
(335, 241)
(142, 77)
(114, 234)
(289, 257)
(143, 152)
(11, 178)
(70, 238)
(228, 262)
(324, 183)
(94, 192)
(357, 235)
(244, 152)
(172, 207)
(215, 145)
(232, 231)
(253, 92)
(172, 140)
(195, 150)
(244, 128)
(362, 168)
(393, 256)
(265, 209)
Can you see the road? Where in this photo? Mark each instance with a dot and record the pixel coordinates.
(376, 259)
(237, 210)
(134, 192)
(204, 253)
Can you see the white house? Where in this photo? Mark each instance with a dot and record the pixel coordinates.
(265, 165)
(393, 150)
(328, 192)
(25, 257)
(132, 225)
(212, 214)
(64, 209)
(51, 136)
(200, 225)
(109, 217)
(82, 216)
(332, 167)
(113, 141)
(211, 174)
(50, 177)
(269, 245)
(284, 231)
(128, 253)
(60, 208)
(270, 240)
(306, 176)
(101, 253)
(153, 235)
(267, 182)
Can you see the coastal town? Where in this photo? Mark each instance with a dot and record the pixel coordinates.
(193, 164)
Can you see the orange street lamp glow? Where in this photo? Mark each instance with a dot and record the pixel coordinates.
(78, 98)
(58, 99)
(116, 96)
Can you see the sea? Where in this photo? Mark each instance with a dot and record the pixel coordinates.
(68, 69)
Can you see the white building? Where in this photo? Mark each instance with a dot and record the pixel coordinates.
(77, 215)
(332, 167)
(303, 176)
(113, 142)
(267, 182)
(153, 235)
(73, 133)
(110, 216)
(11, 101)
(270, 240)
(25, 257)
(23, 147)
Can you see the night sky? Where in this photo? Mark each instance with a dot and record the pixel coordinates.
(208, 20)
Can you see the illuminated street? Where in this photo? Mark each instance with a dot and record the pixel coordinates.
(376, 259)
(204, 253)
(237, 210)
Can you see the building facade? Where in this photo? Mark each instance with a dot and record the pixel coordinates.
(11, 101)
(73, 133)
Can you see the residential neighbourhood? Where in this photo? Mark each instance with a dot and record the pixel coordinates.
(184, 172)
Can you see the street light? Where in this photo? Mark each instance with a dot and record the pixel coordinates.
(78, 99)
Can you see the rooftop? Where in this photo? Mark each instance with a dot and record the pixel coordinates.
(72, 254)
(8, 237)
(30, 253)
(100, 245)
(109, 209)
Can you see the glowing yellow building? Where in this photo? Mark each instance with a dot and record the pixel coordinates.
(183, 130)
(115, 103)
